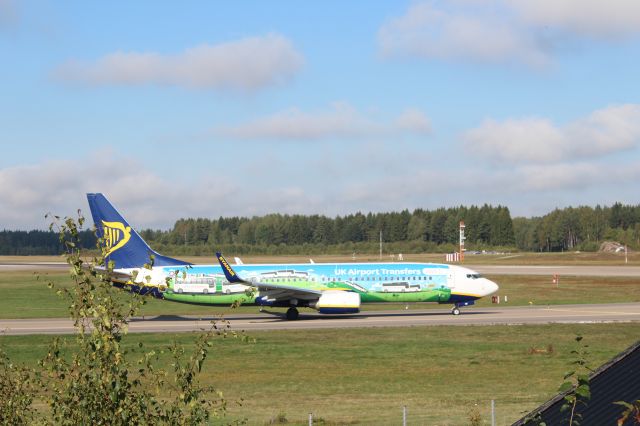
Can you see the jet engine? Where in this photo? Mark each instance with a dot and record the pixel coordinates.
(337, 302)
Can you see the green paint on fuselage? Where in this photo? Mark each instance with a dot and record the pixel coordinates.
(217, 297)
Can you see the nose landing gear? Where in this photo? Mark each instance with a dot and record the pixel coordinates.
(456, 307)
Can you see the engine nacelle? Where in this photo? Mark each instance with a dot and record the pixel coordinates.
(338, 302)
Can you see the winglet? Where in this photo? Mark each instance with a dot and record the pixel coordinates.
(229, 273)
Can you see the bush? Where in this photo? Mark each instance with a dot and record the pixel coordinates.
(94, 382)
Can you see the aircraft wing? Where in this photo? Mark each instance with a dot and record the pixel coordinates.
(277, 287)
(272, 291)
(114, 274)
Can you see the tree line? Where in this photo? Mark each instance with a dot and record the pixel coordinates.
(405, 231)
(579, 228)
(26, 243)
(487, 227)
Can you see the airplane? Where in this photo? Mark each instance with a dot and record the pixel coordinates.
(329, 288)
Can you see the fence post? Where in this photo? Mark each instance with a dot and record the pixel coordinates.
(310, 419)
(493, 412)
(404, 415)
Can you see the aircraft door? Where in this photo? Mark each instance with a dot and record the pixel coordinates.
(451, 279)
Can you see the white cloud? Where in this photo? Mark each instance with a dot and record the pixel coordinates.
(480, 34)
(549, 177)
(597, 18)
(569, 177)
(414, 120)
(59, 187)
(248, 64)
(530, 140)
(516, 140)
(145, 198)
(150, 200)
(340, 120)
(527, 32)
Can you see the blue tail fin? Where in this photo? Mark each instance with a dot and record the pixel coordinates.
(125, 246)
(229, 273)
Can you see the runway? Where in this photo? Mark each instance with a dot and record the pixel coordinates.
(36, 267)
(565, 314)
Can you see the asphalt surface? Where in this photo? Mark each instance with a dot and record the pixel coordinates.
(566, 314)
(36, 267)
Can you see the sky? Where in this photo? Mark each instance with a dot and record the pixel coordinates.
(209, 109)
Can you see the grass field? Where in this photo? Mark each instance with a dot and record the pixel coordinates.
(23, 295)
(365, 376)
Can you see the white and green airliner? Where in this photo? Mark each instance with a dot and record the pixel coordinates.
(336, 288)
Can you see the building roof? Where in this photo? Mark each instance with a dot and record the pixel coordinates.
(617, 380)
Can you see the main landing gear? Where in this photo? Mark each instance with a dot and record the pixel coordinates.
(455, 310)
(292, 314)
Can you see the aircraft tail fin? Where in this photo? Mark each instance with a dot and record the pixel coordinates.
(125, 247)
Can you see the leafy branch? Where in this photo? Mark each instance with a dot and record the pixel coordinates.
(92, 380)
(577, 383)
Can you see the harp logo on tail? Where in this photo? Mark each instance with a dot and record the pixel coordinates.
(116, 235)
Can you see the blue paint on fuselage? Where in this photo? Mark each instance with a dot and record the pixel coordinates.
(369, 276)
(462, 300)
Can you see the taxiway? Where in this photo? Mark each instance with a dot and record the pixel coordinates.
(602, 313)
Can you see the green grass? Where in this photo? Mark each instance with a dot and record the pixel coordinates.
(365, 376)
(540, 290)
(23, 295)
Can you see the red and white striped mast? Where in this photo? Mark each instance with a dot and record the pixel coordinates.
(462, 240)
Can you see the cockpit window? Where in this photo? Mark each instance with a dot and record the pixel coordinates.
(474, 276)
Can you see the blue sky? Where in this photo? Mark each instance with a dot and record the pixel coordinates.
(241, 108)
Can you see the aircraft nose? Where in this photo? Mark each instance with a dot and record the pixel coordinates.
(490, 287)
